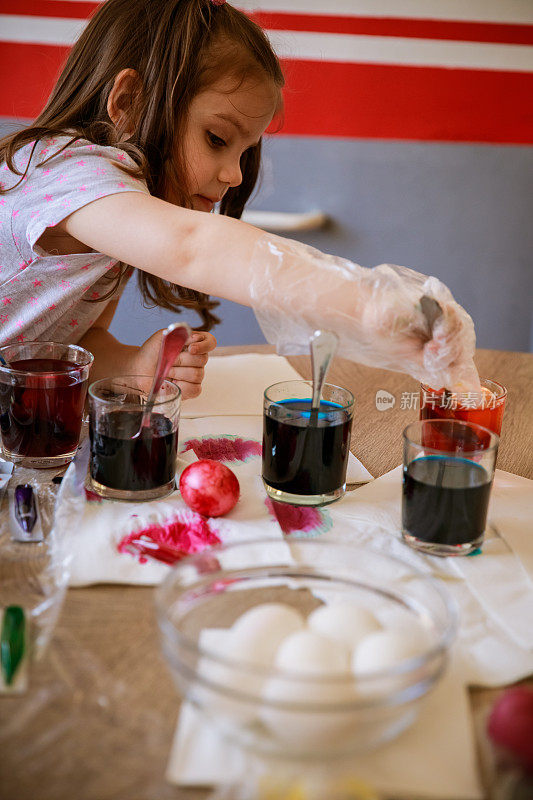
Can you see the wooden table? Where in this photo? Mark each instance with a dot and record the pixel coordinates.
(99, 719)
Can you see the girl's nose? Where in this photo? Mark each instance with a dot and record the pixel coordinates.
(230, 172)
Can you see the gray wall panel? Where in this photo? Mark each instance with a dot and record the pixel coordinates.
(460, 212)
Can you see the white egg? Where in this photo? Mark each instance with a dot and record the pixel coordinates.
(302, 727)
(257, 634)
(308, 652)
(343, 621)
(387, 648)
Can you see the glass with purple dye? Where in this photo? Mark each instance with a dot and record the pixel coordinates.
(130, 461)
(305, 453)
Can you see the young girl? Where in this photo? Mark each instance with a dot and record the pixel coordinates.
(156, 118)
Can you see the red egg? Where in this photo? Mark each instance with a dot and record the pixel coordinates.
(510, 723)
(209, 487)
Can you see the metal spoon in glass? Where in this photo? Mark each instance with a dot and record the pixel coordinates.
(323, 346)
(174, 339)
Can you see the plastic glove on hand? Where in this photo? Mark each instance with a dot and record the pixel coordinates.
(376, 313)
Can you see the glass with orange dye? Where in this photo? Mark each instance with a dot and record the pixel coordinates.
(482, 408)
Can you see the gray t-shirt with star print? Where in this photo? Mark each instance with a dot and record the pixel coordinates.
(45, 296)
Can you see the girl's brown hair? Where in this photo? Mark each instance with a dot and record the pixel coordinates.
(178, 48)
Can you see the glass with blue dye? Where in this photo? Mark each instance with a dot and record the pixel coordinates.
(448, 468)
(305, 453)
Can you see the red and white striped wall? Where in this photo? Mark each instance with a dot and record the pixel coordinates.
(433, 70)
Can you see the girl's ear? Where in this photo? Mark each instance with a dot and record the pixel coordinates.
(121, 101)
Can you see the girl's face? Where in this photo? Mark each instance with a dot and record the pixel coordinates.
(223, 123)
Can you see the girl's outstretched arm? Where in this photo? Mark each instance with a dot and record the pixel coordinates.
(207, 252)
(377, 313)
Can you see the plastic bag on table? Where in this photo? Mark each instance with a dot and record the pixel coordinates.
(34, 564)
(377, 313)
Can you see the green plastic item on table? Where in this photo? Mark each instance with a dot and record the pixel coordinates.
(12, 642)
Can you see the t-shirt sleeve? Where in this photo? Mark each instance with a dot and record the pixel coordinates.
(74, 177)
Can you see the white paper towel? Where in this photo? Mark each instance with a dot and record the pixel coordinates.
(234, 385)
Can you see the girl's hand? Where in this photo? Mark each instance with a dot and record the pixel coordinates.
(398, 335)
(188, 370)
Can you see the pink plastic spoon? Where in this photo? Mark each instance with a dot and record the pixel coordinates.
(175, 337)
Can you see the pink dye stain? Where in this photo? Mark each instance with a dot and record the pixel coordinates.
(224, 448)
(92, 497)
(171, 541)
(299, 519)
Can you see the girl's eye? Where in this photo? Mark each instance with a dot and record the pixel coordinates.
(214, 140)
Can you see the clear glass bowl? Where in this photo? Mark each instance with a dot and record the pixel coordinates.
(294, 714)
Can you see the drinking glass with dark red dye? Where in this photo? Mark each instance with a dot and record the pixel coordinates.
(129, 461)
(43, 386)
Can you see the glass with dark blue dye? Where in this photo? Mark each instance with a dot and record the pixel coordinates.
(305, 454)
(448, 468)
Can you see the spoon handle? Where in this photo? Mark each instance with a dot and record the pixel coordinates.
(323, 347)
(174, 339)
(431, 309)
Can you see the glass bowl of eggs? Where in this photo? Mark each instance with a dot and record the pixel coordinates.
(304, 648)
